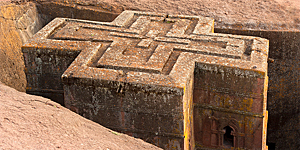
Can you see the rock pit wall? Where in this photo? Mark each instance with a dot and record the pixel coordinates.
(83, 11)
(18, 23)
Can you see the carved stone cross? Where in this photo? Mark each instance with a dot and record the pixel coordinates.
(145, 74)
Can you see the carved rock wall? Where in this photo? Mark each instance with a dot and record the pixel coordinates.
(18, 23)
(283, 91)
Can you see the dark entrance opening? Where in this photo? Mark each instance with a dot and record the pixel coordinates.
(228, 137)
(271, 146)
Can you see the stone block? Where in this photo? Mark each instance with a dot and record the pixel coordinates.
(144, 73)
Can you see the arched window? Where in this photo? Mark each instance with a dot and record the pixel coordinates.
(228, 137)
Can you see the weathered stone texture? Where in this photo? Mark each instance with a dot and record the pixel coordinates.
(18, 24)
(45, 62)
(283, 90)
(228, 96)
(12, 64)
(155, 76)
(50, 10)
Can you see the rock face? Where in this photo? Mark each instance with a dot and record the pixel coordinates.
(158, 77)
(18, 23)
(12, 64)
(33, 122)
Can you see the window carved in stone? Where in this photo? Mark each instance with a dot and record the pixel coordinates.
(224, 133)
(228, 138)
